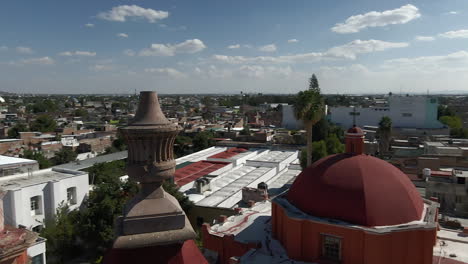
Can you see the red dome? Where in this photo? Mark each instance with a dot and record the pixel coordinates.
(358, 189)
(355, 130)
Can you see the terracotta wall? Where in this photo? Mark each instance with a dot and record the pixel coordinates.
(302, 240)
(21, 259)
(225, 245)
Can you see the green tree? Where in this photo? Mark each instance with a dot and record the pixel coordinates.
(182, 145)
(313, 83)
(14, 131)
(44, 123)
(64, 155)
(105, 204)
(183, 200)
(203, 140)
(384, 133)
(61, 235)
(319, 151)
(100, 172)
(334, 145)
(245, 131)
(309, 107)
(81, 112)
(451, 121)
(43, 162)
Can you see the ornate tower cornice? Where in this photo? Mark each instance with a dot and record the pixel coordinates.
(152, 217)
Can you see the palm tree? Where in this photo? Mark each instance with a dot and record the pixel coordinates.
(385, 132)
(309, 107)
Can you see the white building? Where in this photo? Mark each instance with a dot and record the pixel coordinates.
(11, 166)
(405, 112)
(218, 180)
(31, 198)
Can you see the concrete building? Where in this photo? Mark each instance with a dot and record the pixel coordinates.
(32, 198)
(12, 166)
(289, 120)
(19, 245)
(405, 112)
(450, 187)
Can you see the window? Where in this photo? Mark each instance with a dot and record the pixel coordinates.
(37, 228)
(71, 195)
(458, 199)
(331, 247)
(406, 115)
(461, 180)
(36, 205)
(38, 259)
(354, 113)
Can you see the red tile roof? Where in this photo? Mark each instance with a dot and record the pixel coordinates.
(228, 153)
(196, 170)
(441, 173)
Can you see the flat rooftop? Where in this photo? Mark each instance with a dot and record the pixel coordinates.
(37, 177)
(84, 164)
(200, 155)
(196, 170)
(229, 192)
(231, 152)
(274, 156)
(8, 161)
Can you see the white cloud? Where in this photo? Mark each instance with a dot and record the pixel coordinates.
(351, 49)
(171, 72)
(89, 25)
(258, 71)
(24, 50)
(347, 51)
(3, 48)
(122, 35)
(235, 46)
(36, 61)
(189, 46)
(450, 62)
(78, 53)
(120, 13)
(424, 38)
(293, 40)
(356, 23)
(453, 13)
(268, 48)
(463, 33)
(101, 67)
(129, 52)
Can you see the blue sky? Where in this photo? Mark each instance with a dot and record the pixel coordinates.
(212, 46)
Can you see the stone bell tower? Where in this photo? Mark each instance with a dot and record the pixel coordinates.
(153, 217)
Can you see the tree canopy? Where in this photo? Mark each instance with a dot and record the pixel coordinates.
(64, 155)
(44, 123)
(203, 140)
(313, 84)
(43, 162)
(14, 131)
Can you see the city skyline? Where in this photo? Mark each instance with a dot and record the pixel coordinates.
(178, 47)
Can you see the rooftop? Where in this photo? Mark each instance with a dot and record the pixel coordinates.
(6, 161)
(84, 164)
(274, 156)
(38, 177)
(196, 170)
